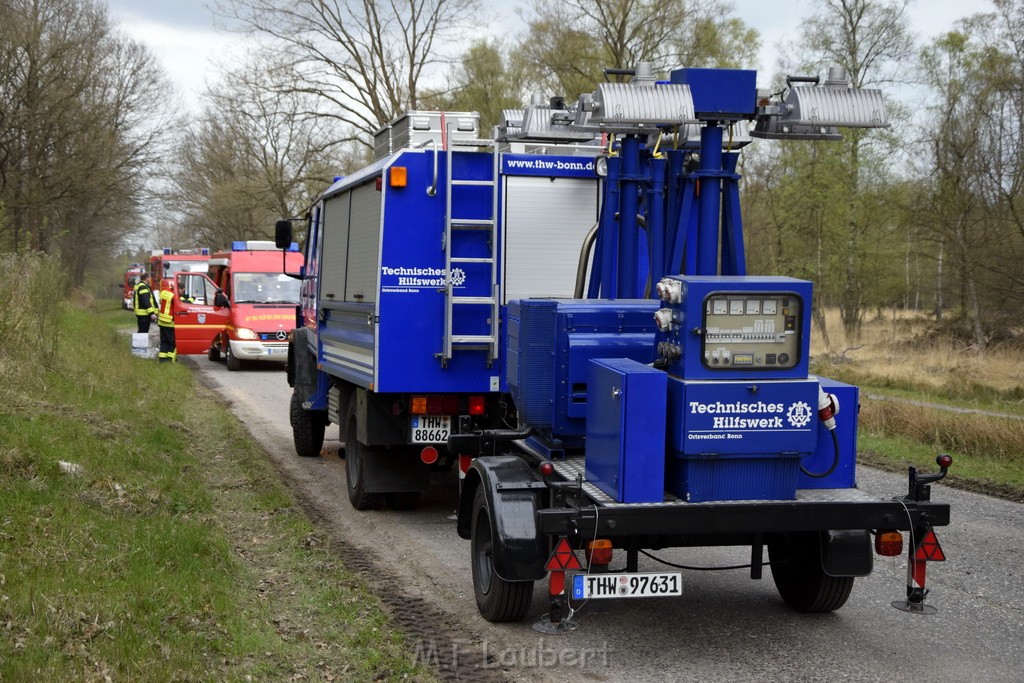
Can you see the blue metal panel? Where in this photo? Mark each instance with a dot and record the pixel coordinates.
(766, 418)
(688, 334)
(625, 455)
(720, 94)
(550, 342)
(411, 278)
(845, 474)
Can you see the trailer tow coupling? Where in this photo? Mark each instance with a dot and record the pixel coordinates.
(924, 545)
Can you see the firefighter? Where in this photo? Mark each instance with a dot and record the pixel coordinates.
(144, 304)
(165, 321)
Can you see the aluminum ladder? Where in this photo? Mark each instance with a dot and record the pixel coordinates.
(454, 340)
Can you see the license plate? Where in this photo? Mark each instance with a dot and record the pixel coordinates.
(276, 352)
(430, 428)
(645, 585)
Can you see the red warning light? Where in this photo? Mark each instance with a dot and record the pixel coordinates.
(929, 549)
(547, 469)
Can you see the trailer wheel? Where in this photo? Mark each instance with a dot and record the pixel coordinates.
(308, 428)
(497, 599)
(403, 500)
(232, 360)
(355, 452)
(799, 577)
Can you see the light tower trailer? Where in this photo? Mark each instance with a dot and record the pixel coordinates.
(672, 407)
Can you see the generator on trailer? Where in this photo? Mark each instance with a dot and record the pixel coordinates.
(563, 311)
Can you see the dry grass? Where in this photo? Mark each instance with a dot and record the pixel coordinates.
(897, 350)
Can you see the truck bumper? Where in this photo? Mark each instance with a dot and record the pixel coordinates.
(259, 350)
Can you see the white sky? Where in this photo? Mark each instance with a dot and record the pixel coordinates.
(182, 36)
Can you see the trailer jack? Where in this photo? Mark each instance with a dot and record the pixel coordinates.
(926, 548)
(562, 559)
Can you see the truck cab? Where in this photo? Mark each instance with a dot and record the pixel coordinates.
(261, 301)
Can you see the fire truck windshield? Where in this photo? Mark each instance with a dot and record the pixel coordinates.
(265, 288)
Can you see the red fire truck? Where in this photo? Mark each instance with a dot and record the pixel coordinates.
(164, 263)
(131, 278)
(261, 299)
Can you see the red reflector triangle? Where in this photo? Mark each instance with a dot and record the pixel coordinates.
(929, 549)
(562, 558)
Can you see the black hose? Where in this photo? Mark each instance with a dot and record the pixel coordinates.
(835, 461)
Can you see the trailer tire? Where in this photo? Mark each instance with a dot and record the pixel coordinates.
(355, 452)
(308, 428)
(498, 600)
(232, 360)
(799, 577)
(403, 500)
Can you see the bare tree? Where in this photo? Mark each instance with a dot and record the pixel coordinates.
(365, 60)
(256, 154)
(569, 43)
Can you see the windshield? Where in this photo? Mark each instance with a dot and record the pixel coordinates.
(171, 266)
(265, 288)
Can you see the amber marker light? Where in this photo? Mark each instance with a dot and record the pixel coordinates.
(888, 543)
(398, 176)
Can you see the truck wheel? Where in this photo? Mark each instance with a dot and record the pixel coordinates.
(497, 599)
(405, 500)
(355, 452)
(232, 361)
(799, 578)
(308, 428)
(214, 352)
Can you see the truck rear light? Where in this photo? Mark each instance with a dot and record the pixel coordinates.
(418, 405)
(888, 543)
(429, 455)
(433, 405)
(599, 552)
(477, 405)
(449, 405)
(398, 176)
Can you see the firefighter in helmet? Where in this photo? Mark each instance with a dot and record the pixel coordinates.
(165, 321)
(144, 304)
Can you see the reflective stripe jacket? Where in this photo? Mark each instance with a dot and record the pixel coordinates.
(142, 300)
(165, 317)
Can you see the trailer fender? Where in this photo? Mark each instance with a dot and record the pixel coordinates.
(509, 486)
(846, 552)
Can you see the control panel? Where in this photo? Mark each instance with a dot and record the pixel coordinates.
(752, 330)
(738, 327)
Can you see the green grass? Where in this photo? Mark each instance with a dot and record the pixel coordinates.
(175, 553)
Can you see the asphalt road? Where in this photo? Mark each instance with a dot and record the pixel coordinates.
(725, 627)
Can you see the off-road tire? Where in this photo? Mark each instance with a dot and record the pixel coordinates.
(498, 600)
(232, 360)
(308, 428)
(799, 577)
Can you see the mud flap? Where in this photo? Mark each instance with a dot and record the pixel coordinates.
(846, 552)
(514, 494)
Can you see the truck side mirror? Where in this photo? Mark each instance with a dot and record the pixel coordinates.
(283, 234)
(220, 300)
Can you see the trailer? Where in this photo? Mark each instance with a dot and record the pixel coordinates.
(561, 313)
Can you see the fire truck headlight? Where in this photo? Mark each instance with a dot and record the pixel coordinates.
(245, 333)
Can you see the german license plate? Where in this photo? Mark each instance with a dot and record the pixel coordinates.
(641, 585)
(276, 352)
(430, 428)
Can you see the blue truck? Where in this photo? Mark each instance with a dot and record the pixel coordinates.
(560, 313)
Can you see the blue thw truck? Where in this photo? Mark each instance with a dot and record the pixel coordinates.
(560, 312)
